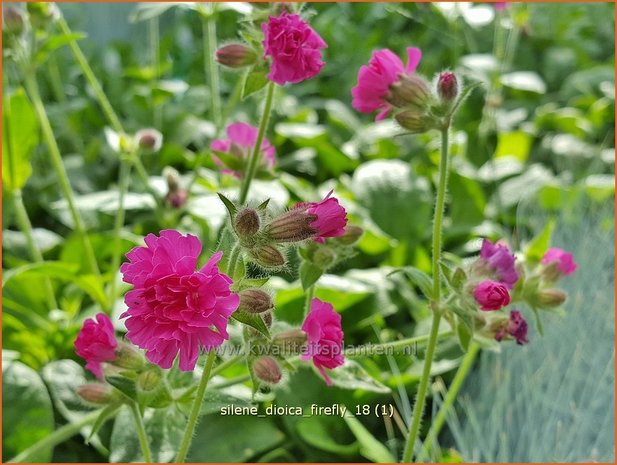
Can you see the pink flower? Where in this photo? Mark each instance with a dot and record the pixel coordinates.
(491, 295)
(325, 337)
(173, 308)
(516, 327)
(375, 79)
(563, 260)
(330, 218)
(499, 259)
(500, 6)
(96, 343)
(295, 48)
(240, 143)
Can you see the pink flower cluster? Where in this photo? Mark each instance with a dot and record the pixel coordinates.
(325, 338)
(295, 49)
(174, 309)
(96, 343)
(374, 80)
(241, 139)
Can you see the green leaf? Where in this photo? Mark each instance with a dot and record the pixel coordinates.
(27, 414)
(55, 42)
(539, 245)
(315, 432)
(231, 161)
(309, 274)
(515, 144)
(254, 81)
(458, 279)
(20, 136)
(231, 208)
(253, 320)
(370, 447)
(263, 205)
(418, 278)
(352, 375)
(124, 385)
(464, 335)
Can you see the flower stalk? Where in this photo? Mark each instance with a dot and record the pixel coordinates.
(141, 432)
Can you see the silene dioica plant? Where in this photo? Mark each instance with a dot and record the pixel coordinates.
(179, 307)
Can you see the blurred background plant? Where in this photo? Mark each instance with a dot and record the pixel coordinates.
(541, 134)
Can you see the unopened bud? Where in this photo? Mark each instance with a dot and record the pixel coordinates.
(148, 381)
(255, 301)
(351, 236)
(128, 357)
(149, 139)
(96, 393)
(14, 20)
(550, 298)
(323, 257)
(267, 369)
(268, 318)
(247, 222)
(172, 177)
(42, 13)
(551, 272)
(447, 86)
(410, 92)
(177, 199)
(291, 226)
(268, 256)
(236, 55)
(415, 122)
(290, 342)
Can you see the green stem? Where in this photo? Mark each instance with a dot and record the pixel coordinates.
(208, 27)
(233, 381)
(57, 437)
(123, 187)
(310, 293)
(55, 79)
(453, 390)
(226, 364)
(141, 432)
(233, 260)
(256, 154)
(145, 179)
(92, 80)
(379, 349)
(23, 221)
(436, 300)
(195, 409)
(153, 27)
(56, 160)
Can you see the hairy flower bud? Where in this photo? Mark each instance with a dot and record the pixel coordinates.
(96, 393)
(410, 92)
(255, 301)
(290, 342)
(352, 235)
(128, 357)
(176, 195)
(415, 122)
(267, 369)
(550, 298)
(149, 380)
(291, 226)
(447, 86)
(324, 257)
(236, 55)
(267, 256)
(149, 139)
(42, 13)
(14, 20)
(247, 222)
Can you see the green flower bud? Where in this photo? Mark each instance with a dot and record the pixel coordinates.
(247, 223)
(96, 393)
(268, 256)
(128, 357)
(255, 301)
(267, 370)
(236, 56)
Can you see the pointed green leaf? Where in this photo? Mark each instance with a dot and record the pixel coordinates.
(254, 81)
(309, 274)
(253, 320)
(370, 447)
(231, 208)
(539, 245)
(263, 205)
(418, 278)
(107, 413)
(124, 385)
(352, 375)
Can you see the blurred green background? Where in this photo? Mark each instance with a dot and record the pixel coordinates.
(537, 140)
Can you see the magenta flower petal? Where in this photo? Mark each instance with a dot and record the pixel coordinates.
(564, 260)
(173, 309)
(325, 338)
(491, 295)
(499, 258)
(96, 343)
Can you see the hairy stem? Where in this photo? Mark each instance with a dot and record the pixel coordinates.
(208, 26)
(435, 301)
(256, 154)
(380, 349)
(453, 390)
(310, 293)
(233, 260)
(195, 409)
(141, 432)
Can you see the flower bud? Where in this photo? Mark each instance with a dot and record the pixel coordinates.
(177, 199)
(410, 92)
(255, 301)
(415, 122)
(96, 393)
(236, 55)
(351, 236)
(149, 139)
(148, 381)
(176, 195)
(128, 357)
(291, 226)
(550, 298)
(247, 222)
(290, 342)
(447, 86)
(42, 13)
(323, 257)
(14, 20)
(268, 256)
(268, 318)
(267, 369)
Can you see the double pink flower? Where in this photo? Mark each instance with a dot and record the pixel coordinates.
(96, 343)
